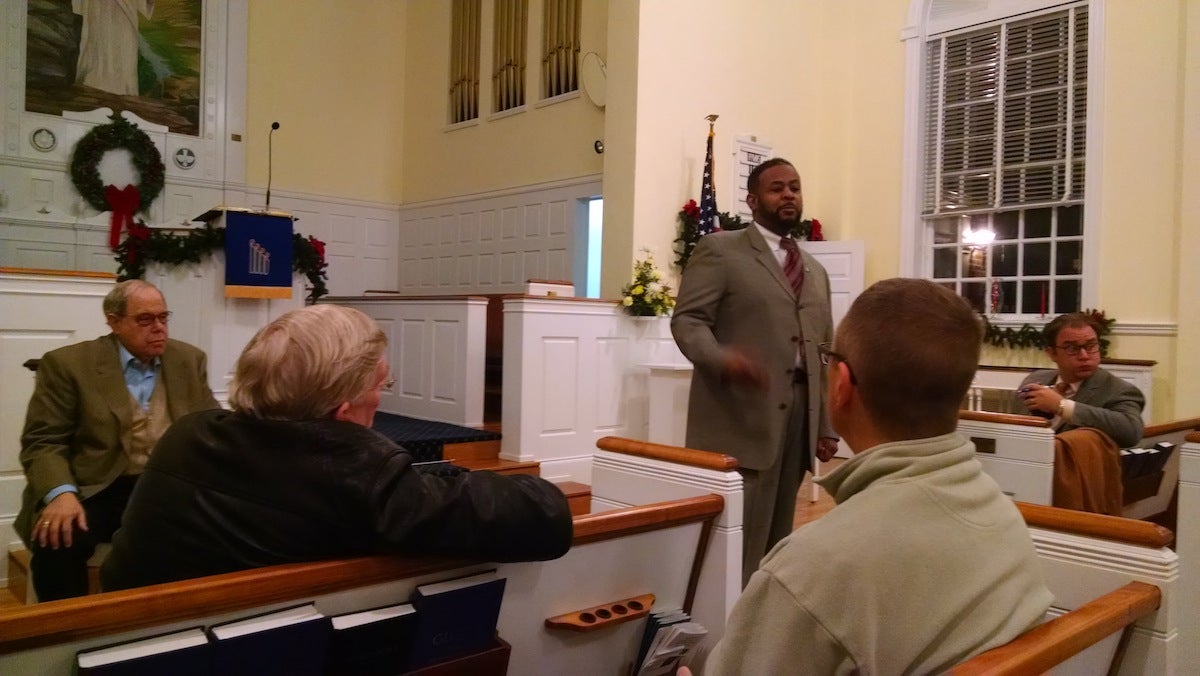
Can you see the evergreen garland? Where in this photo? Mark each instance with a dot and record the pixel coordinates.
(1028, 336)
(145, 245)
(689, 230)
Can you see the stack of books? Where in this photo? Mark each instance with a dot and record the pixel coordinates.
(444, 621)
(669, 641)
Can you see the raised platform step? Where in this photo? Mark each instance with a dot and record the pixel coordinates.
(501, 466)
(472, 450)
(579, 496)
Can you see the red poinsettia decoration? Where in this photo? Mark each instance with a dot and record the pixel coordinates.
(319, 247)
(691, 209)
(814, 232)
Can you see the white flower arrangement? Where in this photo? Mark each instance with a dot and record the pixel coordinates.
(646, 295)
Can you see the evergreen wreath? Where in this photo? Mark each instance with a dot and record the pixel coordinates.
(118, 134)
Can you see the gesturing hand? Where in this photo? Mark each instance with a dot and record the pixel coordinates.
(738, 369)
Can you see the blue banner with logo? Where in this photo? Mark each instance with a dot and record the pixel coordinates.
(258, 255)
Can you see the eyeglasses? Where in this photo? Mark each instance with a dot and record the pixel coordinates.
(1073, 349)
(828, 356)
(148, 319)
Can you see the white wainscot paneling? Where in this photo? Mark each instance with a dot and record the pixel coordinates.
(436, 353)
(574, 371)
(493, 242)
(38, 313)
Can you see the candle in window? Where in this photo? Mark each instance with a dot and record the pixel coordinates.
(1043, 299)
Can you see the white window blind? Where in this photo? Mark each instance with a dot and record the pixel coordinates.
(1004, 154)
(464, 60)
(560, 47)
(508, 54)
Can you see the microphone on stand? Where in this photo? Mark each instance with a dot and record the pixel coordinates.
(270, 136)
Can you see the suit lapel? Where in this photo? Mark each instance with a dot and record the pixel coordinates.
(766, 258)
(110, 380)
(1086, 388)
(170, 375)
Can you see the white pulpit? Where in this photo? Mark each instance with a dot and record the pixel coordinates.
(669, 386)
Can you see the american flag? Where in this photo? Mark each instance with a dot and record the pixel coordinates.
(708, 195)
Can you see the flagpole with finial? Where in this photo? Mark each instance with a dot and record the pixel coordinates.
(712, 120)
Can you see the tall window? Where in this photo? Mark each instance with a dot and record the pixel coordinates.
(464, 60)
(508, 54)
(1003, 194)
(560, 47)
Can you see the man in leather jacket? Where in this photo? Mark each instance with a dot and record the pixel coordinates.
(294, 473)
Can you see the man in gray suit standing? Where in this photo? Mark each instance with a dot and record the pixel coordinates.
(751, 311)
(1079, 393)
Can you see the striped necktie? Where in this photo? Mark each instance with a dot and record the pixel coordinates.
(793, 267)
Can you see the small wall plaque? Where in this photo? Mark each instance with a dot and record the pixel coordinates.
(43, 140)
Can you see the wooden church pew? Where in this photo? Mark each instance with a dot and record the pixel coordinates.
(662, 546)
(1018, 452)
(1084, 557)
(1052, 643)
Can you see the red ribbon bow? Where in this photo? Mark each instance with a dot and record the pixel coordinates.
(124, 203)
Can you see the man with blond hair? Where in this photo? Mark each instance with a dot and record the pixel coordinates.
(923, 563)
(96, 412)
(294, 473)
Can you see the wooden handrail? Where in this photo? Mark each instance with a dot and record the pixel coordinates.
(1006, 418)
(676, 454)
(558, 299)
(58, 273)
(55, 622)
(639, 519)
(1052, 643)
(1103, 526)
(1193, 437)
(1170, 427)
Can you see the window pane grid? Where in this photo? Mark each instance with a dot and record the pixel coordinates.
(1004, 156)
(1034, 265)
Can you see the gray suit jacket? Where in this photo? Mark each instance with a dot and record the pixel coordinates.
(1105, 402)
(78, 423)
(734, 294)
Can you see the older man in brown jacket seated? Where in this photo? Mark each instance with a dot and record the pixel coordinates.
(96, 412)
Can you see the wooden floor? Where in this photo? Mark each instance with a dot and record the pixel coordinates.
(806, 510)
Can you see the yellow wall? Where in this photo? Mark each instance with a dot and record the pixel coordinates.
(543, 143)
(361, 97)
(332, 74)
(1185, 384)
(821, 83)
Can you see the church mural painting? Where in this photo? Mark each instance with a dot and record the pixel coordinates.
(143, 56)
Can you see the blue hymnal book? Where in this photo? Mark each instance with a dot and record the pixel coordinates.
(289, 642)
(374, 641)
(182, 652)
(456, 617)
